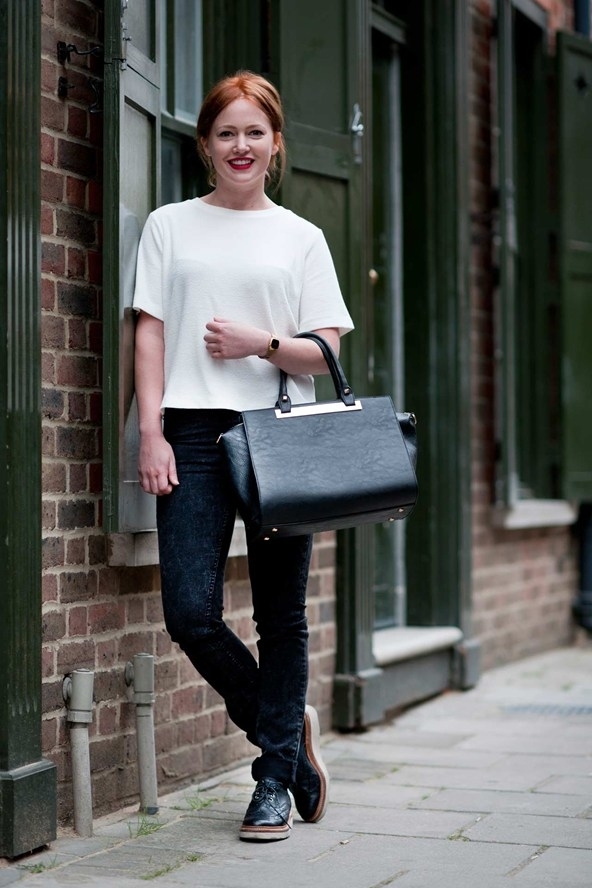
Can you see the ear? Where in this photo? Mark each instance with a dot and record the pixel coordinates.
(204, 145)
(277, 137)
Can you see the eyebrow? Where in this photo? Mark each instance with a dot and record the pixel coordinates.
(232, 126)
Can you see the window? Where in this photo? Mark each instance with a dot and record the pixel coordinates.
(528, 387)
(181, 96)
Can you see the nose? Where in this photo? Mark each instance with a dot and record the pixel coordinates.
(240, 146)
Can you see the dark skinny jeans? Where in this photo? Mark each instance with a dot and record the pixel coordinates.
(264, 696)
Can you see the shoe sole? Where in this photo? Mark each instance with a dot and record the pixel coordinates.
(312, 744)
(266, 833)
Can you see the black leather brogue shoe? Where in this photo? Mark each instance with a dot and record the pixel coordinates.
(311, 785)
(269, 815)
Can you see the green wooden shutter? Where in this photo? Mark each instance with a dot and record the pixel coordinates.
(575, 187)
(507, 480)
(131, 182)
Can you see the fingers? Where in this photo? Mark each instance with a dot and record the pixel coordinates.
(158, 476)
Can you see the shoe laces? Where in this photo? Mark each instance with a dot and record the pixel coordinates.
(266, 791)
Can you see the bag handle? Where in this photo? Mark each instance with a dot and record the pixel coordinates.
(342, 387)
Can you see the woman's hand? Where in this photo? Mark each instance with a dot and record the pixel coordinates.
(227, 339)
(156, 465)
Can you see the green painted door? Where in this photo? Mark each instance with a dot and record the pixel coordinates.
(575, 154)
(318, 64)
(385, 306)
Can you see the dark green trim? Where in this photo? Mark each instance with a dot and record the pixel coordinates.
(27, 782)
(437, 316)
(111, 174)
(234, 36)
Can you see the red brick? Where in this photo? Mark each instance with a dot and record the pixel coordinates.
(75, 227)
(52, 186)
(76, 586)
(76, 553)
(77, 334)
(136, 612)
(76, 192)
(49, 587)
(107, 719)
(48, 515)
(77, 158)
(48, 294)
(106, 652)
(78, 621)
(78, 121)
(52, 551)
(76, 263)
(77, 16)
(53, 331)
(106, 617)
(54, 477)
(53, 258)
(77, 370)
(48, 148)
(47, 221)
(53, 113)
(75, 655)
(77, 478)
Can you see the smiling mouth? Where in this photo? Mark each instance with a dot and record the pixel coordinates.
(241, 163)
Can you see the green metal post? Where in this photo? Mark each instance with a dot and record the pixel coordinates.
(27, 781)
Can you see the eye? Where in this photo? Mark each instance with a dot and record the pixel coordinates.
(225, 134)
(257, 133)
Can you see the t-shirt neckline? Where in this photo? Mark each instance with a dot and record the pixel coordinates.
(225, 211)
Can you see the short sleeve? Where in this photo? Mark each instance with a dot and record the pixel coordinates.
(149, 270)
(321, 303)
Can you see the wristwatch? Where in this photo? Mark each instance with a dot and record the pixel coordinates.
(273, 346)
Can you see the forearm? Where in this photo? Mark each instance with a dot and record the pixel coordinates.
(149, 377)
(296, 356)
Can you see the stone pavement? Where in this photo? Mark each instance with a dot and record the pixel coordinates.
(491, 788)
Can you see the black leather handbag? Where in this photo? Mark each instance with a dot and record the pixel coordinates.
(305, 468)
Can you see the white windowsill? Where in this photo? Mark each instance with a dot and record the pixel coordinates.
(534, 513)
(407, 642)
(141, 549)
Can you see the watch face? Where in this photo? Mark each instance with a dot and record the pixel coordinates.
(274, 344)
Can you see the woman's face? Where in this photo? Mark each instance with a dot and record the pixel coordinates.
(241, 144)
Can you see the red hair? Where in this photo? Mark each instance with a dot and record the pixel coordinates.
(244, 85)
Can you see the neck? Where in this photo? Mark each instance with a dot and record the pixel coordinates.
(248, 200)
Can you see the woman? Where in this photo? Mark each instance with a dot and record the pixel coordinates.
(223, 284)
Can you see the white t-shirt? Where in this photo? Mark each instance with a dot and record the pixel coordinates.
(267, 268)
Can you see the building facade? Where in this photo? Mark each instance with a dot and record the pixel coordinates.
(444, 148)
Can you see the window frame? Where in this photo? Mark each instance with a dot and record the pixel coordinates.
(511, 508)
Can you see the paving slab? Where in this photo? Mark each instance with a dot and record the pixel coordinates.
(557, 868)
(487, 801)
(572, 785)
(394, 753)
(565, 832)
(512, 779)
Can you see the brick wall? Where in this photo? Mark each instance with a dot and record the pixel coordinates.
(523, 581)
(97, 616)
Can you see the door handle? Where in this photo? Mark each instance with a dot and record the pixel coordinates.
(357, 131)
